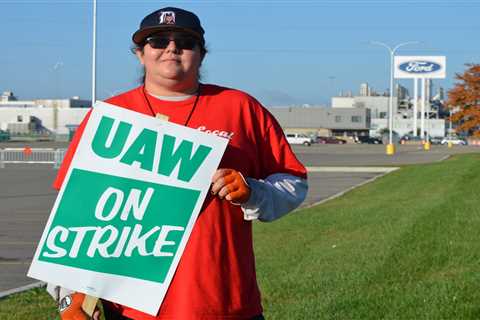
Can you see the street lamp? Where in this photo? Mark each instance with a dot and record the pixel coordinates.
(390, 147)
(56, 69)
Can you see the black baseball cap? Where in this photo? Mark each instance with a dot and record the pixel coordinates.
(169, 18)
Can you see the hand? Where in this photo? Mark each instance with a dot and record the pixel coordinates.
(71, 308)
(230, 184)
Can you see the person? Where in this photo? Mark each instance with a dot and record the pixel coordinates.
(259, 177)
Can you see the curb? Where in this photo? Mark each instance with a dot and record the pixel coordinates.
(6, 293)
(337, 195)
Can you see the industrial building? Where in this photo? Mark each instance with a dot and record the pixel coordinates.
(378, 105)
(401, 126)
(322, 121)
(56, 118)
(402, 110)
(8, 100)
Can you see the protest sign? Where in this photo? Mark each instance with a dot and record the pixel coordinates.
(127, 207)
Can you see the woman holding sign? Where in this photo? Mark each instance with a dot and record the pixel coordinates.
(259, 177)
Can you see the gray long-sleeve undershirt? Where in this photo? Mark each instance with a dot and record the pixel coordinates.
(274, 197)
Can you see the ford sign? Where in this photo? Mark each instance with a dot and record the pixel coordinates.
(419, 67)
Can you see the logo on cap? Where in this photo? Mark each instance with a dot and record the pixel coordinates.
(167, 17)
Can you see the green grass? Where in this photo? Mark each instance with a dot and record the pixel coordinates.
(403, 247)
(33, 304)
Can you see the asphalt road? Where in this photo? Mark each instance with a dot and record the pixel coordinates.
(26, 196)
(26, 199)
(374, 155)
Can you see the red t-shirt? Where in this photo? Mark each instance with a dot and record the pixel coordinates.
(215, 278)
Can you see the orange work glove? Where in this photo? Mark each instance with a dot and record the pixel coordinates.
(71, 307)
(230, 184)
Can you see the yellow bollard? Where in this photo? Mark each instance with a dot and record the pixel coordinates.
(450, 144)
(390, 149)
(426, 146)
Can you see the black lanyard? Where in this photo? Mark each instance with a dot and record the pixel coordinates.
(191, 111)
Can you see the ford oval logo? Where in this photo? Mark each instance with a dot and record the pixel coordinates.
(418, 66)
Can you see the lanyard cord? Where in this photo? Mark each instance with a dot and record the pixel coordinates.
(191, 111)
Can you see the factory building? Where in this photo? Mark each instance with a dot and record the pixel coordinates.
(322, 121)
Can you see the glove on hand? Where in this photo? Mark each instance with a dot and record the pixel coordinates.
(230, 184)
(71, 307)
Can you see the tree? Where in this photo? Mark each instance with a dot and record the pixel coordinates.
(465, 96)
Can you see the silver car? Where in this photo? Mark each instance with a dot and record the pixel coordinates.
(454, 140)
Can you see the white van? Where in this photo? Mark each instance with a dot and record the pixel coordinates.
(299, 138)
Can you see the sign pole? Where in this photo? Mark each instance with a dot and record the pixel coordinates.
(89, 304)
(426, 145)
(423, 68)
(422, 116)
(415, 106)
(390, 107)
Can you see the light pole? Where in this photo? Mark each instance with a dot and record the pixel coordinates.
(56, 68)
(390, 147)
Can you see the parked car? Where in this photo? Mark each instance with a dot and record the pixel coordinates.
(368, 140)
(299, 138)
(436, 140)
(454, 140)
(330, 140)
(412, 139)
(4, 135)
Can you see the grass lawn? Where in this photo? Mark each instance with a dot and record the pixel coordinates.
(403, 247)
(406, 246)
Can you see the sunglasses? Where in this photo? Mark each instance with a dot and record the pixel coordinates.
(161, 42)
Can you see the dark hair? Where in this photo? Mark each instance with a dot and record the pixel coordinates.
(134, 48)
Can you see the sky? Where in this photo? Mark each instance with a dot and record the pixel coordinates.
(281, 52)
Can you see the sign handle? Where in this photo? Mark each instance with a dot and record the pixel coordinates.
(89, 304)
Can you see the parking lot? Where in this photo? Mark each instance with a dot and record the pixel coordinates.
(26, 195)
(374, 155)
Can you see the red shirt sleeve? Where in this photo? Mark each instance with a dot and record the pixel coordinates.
(277, 154)
(273, 151)
(62, 171)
